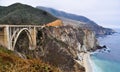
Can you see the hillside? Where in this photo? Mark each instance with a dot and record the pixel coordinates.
(10, 62)
(24, 14)
(77, 20)
(58, 13)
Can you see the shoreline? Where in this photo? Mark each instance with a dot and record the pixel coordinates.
(87, 63)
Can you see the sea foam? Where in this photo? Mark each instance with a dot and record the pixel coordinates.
(95, 68)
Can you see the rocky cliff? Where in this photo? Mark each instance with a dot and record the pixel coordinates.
(61, 47)
(98, 30)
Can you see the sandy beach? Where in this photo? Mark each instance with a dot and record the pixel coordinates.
(86, 61)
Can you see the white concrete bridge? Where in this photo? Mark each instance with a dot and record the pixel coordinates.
(9, 35)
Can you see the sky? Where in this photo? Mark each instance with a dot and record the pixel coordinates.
(104, 12)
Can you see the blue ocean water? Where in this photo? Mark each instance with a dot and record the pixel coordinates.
(108, 61)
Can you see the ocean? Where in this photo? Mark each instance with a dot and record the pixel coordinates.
(109, 60)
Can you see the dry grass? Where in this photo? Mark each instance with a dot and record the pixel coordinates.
(55, 23)
(9, 62)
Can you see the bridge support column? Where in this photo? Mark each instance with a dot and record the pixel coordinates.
(33, 35)
(7, 41)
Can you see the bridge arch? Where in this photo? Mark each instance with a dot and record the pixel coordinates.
(27, 31)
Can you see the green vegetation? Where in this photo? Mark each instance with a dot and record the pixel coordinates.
(9, 62)
(24, 14)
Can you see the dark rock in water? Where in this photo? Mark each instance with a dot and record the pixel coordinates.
(104, 49)
(101, 47)
(109, 51)
(104, 46)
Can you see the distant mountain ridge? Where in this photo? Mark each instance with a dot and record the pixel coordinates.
(24, 14)
(58, 13)
(81, 21)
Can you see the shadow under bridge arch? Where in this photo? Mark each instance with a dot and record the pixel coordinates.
(27, 31)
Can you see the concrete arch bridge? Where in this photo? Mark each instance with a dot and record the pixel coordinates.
(9, 35)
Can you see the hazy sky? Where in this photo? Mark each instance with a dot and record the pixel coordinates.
(104, 12)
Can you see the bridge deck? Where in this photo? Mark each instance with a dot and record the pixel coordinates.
(21, 26)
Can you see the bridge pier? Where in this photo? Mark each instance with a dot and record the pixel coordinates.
(7, 40)
(33, 36)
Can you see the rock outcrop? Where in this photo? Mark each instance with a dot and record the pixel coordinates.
(61, 47)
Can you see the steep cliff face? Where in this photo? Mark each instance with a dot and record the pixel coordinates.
(61, 46)
(90, 41)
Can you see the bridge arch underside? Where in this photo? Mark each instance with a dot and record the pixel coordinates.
(23, 42)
